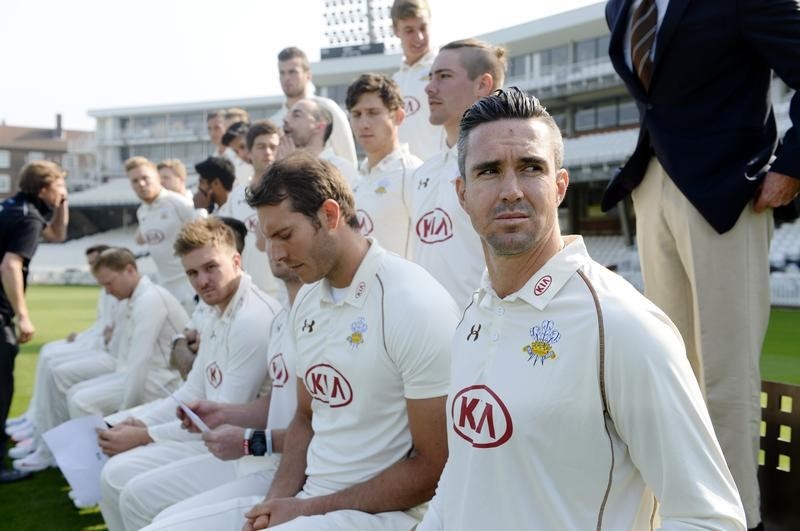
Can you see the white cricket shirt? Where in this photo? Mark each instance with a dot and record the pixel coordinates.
(343, 165)
(526, 431)
(230, 365)
(381, 198)
(444, 241)
(423, 138)
(360, 359)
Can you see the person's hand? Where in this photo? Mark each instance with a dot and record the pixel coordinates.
(276, 511)
(285, 148)
(212, 413)
(71, 337)
(132, 421)
(181, 357)
(226, 442)
(26, 329)
(122, 437)
(776, 190)
(201, 200)
(192, 340)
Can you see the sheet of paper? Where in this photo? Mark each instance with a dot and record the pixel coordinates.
(75, 448)
(189, 413)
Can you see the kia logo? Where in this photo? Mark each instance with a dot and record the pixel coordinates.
(435, 226)
(329, 386)
(365, 224)
(480, 417)
(154, 236)
(412, 105)
(278, 371)
(542, 284)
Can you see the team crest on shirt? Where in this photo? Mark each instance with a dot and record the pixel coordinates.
(214, 374)
(359, 328)
(382, 186)
(544, 337)
(251, 223)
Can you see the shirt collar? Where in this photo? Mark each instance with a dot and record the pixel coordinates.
(547, 281)
(143, 285)
(424, 62)
(385, 162)
(363, 281)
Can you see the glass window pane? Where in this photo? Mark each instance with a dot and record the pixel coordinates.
(585, 119)
(585, 50)
(628, 113)
(607, 115)
(5, 158)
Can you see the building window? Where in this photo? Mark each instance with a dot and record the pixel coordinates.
(585, 118)
(5, 158)
(628, 113)
(34, 155)
(337, 93)
(554, 58)
(182, 125)
(5, 184)
(516, 66)
(607, 115)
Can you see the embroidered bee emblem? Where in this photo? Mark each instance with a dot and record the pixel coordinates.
(359, 328)
(544, 337)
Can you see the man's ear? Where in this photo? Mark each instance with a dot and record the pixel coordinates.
(461, 189)
(485, 85)
(329, 214)
(399, 115)
(562, 183)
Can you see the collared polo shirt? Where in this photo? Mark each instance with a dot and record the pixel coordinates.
(381, 198)
(423, 138)
(530, 446)
(444, 241)
(385, 342)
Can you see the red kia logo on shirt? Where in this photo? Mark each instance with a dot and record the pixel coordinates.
(542, 284)
(480, 417)
(214, 374)
(154, 236)
(365, 224)
(329, 386)
(278, 370)
(412, 105)
(435, 226)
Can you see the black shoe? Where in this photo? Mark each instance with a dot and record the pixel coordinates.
(759, 527)
(10, 476)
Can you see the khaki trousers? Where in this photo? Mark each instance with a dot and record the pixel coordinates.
(715, 288)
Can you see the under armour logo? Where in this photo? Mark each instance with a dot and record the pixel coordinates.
(423, 183)
(474, 332)
(308, 327)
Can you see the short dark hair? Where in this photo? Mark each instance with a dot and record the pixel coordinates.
(261, 127)
(96, 249)
(293, 52)
(215, 114)
(239, 231)
(479, 57)
(380, 84)
(217, 168)
(307, 182)
(510, 104)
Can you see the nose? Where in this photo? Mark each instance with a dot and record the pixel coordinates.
(510, 191)
(277, 251)
(429, 88)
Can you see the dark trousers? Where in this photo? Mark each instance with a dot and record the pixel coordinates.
(8, 352)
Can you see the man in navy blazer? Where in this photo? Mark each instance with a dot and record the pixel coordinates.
(705, 175)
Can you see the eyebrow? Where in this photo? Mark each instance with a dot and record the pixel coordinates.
(489, 164)
(440, 70)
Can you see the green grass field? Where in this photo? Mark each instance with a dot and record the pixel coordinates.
(41, 503)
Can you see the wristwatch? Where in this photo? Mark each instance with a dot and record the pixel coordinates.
(255, 442)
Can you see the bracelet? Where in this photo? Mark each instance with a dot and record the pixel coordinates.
(246, 445)
(268, 435)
